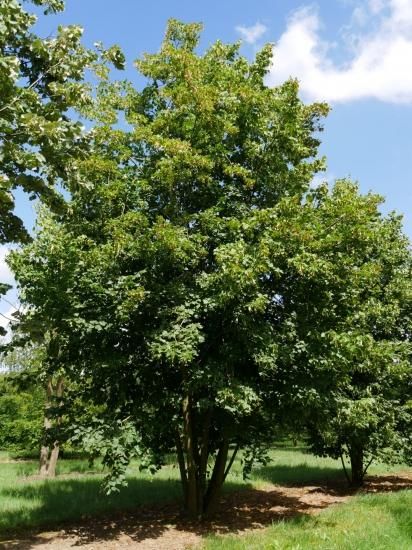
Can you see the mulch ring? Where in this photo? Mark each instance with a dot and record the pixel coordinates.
(163, 528)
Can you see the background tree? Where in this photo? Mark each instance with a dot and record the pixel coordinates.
(41, 79)
(351, 363)
(21, 402)
(20, 416)
(37, 410)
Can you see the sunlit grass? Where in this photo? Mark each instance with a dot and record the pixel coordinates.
(77, 491)
(378, 522)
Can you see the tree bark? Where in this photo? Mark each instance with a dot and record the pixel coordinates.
(182, 466)
(231, 461)
(356, 462)
(211, 500)
(191, 504)
(48, 458)
(54, 455)
(44, 460)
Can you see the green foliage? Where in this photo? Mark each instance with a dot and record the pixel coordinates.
(117, 442)
(357, 361)
(197, 287)
(21, 415)
(22, 398)
(41, 79)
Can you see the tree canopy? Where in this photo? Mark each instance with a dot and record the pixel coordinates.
(198, 290)
(41, 79)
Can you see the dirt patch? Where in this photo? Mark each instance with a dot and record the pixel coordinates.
(163, 528)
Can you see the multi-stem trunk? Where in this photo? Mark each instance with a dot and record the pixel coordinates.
(212, 496)
(201, 496)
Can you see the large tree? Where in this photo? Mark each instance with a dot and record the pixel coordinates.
(42, 85)
(40, 80)
(187, 289)
(160, 290)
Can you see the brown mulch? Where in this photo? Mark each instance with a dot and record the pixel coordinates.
(163, 528)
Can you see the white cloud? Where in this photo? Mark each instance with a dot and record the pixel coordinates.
(376, 6)
(380, 64)
(252, 34)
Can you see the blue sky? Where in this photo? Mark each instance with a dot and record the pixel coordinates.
(354, 54)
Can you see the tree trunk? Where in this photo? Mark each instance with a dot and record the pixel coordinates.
(356, 462)
(211, 500)
(201, 499)
(44, 461)
(182, 466)
(192, 500)
(54, 455)
(48, 458)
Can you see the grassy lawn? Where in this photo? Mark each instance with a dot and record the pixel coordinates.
(77, 493)
(379, 522)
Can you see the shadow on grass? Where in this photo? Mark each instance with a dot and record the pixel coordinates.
(52, 502)
(149, 509)
(300, 474)
(242, 508)
(61, 502)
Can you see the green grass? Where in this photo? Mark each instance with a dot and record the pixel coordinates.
(292, 465)
(76, 492)
(28, 503)
(378, 522)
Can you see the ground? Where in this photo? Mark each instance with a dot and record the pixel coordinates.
(243, 512)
